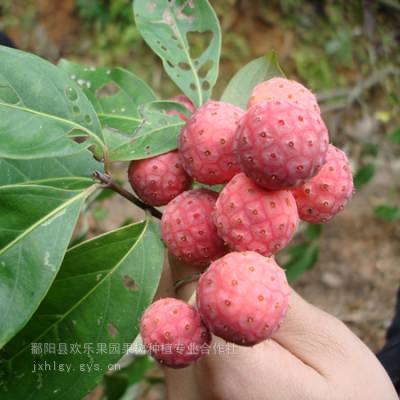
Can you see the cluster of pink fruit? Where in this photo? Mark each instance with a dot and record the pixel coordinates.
(278, 167)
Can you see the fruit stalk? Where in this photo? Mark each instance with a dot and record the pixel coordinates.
(109, 183)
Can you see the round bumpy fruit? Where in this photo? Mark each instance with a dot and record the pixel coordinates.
(173, 333)
(185, 101)
(280, 145)
(282, 89)
(243, 297)
(251, 218)
(188, 229)
(322, 197)
(206, 143)
(159, 179)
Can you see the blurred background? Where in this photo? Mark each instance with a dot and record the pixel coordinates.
(347, 52)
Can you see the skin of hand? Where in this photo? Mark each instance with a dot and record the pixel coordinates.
(313, 356)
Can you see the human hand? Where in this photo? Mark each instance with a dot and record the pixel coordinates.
(312, 356)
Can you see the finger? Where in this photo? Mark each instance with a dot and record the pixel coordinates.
(310, 334)
(165, 286)
(328, 346)
(181, 270)
(266, 371)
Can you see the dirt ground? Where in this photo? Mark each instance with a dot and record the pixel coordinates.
(358, 270)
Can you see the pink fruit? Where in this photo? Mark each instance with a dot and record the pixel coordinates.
(206, 143)
(159, 179)
(251, 218)
(243, 297)
(173, 333)
(282, 89)
(185, 101)
(188, 230)
(280, 145)
(322, 197)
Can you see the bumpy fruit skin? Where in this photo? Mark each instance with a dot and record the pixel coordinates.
(185, 101)
(251, 218)
(282, 89)
(323, 196)
(280, 145)
(243, 297)
(159, 179)
(206, 143)
(173, 333)
(188, 229)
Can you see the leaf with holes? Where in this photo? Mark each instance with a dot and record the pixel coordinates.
(241, 85)
(186, 35)
(157, 134)
(166, 106)
(36, 224)
(71, 172)
(114, 278)
(154, 120)
(41, 110)
(115, 93)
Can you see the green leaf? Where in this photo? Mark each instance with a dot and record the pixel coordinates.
(303, 257)
(167, 27)
(100, 213)
(157, 134)
(71, 172)
(241, 85)
(370, 149)
(393, 98)
(106, 193)
(364, 175)
(387, 213)
(115, 93)
(117, 383)
(395, 136)
(167, 105)
(313, 231)
(36, 225)
(215, 188)
(127, 221)
(97, 299)
(41, 110)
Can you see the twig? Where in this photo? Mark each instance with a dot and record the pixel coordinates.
(108, 183)
(369, 20)
(351, 95)
(391, 3)
(332, 94)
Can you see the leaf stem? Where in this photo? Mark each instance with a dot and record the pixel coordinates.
(109, 183)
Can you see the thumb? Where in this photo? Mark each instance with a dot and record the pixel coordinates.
(329, 347)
